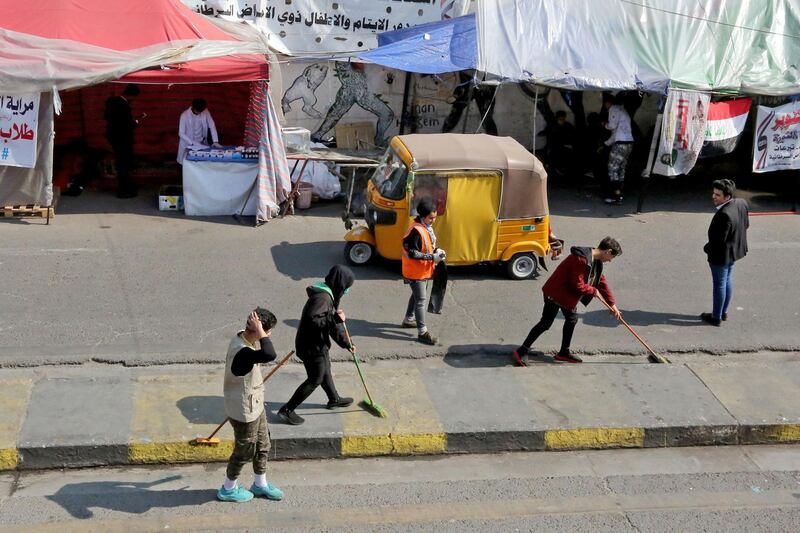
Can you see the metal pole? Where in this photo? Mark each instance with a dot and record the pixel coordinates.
(535, 112)
(404, 113)
(650, 163)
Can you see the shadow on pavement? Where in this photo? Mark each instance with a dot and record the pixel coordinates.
(313, 260)
(304, 409)
(479, 355)
(365, 328)
(127, 497)
(602, 318)
(202, 409)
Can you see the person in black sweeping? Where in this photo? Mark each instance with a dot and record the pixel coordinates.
(321, 321)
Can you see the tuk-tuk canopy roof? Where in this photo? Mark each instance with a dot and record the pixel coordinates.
(524, 177)
(443, 151)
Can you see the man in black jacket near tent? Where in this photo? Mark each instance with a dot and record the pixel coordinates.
(321, 321)
(119, 132)
(727, 243)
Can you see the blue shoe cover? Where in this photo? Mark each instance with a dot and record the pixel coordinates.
(237, 494)
(271, 492)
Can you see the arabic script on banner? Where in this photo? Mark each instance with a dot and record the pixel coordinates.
(313, 26)
(683, 130)
(776, 140)
(19, 117)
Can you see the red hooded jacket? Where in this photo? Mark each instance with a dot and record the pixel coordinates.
(569, 284)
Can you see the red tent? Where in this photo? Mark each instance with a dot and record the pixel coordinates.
(125, 25)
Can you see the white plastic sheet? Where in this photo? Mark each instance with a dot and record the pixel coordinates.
(736, 45)
(213, 189)
(29, 63)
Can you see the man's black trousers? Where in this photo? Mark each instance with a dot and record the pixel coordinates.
(318, 370)
(548, 316)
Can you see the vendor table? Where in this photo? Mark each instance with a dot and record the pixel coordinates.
(212, 188)
(342, 158)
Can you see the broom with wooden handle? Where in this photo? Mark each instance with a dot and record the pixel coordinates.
(211, 440)
(653, 357)
(367, 403)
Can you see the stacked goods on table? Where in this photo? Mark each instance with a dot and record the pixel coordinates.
(236, 154)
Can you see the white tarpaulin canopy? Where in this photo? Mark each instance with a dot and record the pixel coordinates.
(750, 46)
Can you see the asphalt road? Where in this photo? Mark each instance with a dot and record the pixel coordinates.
(747, 489)
(117, 281)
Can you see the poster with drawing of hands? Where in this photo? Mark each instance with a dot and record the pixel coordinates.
(322, 26)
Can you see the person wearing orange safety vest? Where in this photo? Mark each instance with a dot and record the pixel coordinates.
(420, 256)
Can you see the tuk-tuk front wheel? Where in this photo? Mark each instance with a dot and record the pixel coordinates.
(521, 266)
(358, 253)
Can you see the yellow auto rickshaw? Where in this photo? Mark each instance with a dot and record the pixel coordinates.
(490, 194)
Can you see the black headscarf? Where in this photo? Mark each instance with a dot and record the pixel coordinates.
(339, 279)
(425, 207)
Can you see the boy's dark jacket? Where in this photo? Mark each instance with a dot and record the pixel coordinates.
(319, 322)
(569, 284)
(727, 234)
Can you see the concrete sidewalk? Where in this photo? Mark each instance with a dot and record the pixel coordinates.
(101, 414)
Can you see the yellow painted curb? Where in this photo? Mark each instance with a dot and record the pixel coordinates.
(783, 433)
(178, 452)
(407, 444)
(593, 438)
(9, 459)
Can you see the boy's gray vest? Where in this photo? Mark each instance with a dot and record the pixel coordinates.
(244, 396)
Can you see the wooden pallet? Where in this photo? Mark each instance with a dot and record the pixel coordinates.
(31, 210)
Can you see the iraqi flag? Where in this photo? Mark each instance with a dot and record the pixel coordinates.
(724, 126)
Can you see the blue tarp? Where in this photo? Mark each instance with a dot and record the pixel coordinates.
(433, 48)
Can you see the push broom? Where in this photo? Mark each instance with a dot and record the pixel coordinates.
(211, 440)
(367, 404)
(653, 357)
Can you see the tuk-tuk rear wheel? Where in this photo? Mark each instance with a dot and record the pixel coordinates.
(358, 253)
(521, 266)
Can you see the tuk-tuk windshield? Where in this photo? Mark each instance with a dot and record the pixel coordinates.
(390, 177)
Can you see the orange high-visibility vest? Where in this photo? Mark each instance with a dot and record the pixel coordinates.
(418, 269)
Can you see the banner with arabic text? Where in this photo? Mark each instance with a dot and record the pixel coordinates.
(301, 27)
(683, 129)
(19, 117)
(777, 138)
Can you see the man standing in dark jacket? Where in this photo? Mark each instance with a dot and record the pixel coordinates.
(119, 132)
(321, 321)
(727, 243)
(578, 278)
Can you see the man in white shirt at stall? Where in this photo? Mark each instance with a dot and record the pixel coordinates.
(621, 143)
(194, 127)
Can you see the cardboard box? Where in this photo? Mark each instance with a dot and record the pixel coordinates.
(170, 198)
(356, 135)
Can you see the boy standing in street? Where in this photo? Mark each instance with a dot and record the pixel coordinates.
(727, 243)
(244, 407)
(321, 321)
(578, 278)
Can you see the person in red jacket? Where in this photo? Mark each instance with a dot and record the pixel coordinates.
(579, 278)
